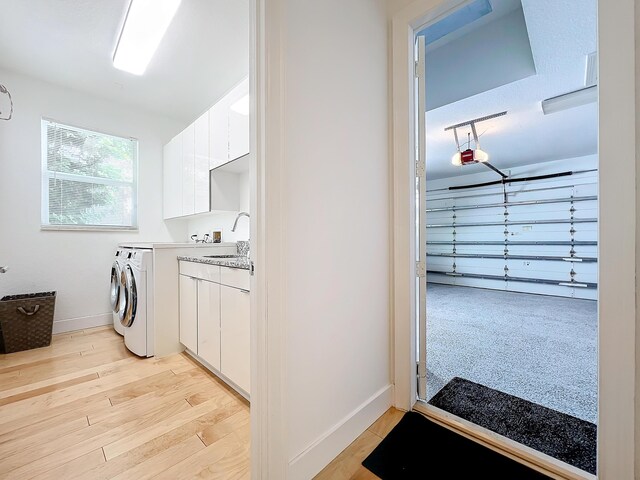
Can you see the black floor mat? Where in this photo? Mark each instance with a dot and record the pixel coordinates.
(419, 448)
(557, 434)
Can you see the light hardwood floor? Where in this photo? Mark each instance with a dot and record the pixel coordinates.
(348, 465)
(86, 408)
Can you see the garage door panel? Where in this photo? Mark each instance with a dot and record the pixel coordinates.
(541, 227)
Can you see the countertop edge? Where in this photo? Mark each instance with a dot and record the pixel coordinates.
(214, 261)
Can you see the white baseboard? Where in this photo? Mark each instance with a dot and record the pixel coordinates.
(320, 453)
(80, 323)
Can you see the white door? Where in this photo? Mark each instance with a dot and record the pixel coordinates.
(189, 312)
(209, 322)
(421, 213)
(235, 351)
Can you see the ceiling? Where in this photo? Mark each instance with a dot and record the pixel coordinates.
(561, 34)
(203, 54)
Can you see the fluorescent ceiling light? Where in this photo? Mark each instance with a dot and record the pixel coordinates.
(143, 29)
(570, 100)
(241, 106)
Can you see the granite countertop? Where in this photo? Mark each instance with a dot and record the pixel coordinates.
(240, 260)
(231, 262)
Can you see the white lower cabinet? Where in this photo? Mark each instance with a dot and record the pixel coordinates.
(235, 350)
(189, 312)
(214, 319)
(209, 322)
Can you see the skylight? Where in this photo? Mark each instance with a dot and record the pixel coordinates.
(456, 20)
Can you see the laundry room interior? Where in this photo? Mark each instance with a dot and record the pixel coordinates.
(125, 155)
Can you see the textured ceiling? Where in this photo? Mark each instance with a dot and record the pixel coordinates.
(561, 34)
(205, 51)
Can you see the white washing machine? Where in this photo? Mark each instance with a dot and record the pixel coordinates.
(116, 269)
(135, 301)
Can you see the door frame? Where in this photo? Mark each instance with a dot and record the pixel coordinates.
(616, 227)
(268, 419)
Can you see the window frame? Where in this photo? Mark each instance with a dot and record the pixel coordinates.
(47, 174)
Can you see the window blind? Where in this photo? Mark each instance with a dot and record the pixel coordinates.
(89, 178)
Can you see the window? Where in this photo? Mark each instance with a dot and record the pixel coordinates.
(89, 179)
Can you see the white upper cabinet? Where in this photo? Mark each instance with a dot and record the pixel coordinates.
(219, 133)
(239, 120)
(172, 178)
(201, 165)
(216, 138)
(229, 128)
(188, 170)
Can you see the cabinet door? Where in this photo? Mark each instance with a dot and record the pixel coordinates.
(189, 312)
(201, 165)
(209, 322)
(219, 133)
(234, 336)
(188, 170)
(239, 120)
(172, 178)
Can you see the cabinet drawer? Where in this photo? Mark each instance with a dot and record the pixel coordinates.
(200, 270)
(235, 277)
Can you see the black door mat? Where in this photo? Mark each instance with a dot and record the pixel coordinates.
(418, 448)
(557, 434)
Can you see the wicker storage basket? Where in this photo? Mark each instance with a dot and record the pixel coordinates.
(26, 321)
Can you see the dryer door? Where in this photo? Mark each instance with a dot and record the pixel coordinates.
(115, 286)
(127, 307)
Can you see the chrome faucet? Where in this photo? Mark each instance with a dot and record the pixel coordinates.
(235, 224)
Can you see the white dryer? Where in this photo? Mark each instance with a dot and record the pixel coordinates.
(135, 303)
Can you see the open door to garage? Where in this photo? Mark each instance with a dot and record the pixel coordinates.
(507, 223)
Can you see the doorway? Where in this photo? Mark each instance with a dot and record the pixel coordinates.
(509, 210)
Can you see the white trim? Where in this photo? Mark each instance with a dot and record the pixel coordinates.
(90, 130)
(268, 247)
(44, 175)
(617, 241)
(617, 226)
(80, 323)
(88, 228)
(324, 449)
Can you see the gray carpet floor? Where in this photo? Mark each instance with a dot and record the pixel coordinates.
(540, 348)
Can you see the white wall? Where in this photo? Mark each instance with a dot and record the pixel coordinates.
(75, 264)
(333, 208)
(577, 185)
